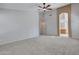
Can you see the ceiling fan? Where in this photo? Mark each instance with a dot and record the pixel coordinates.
(45, 7)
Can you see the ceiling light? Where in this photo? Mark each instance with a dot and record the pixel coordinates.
(44, 9)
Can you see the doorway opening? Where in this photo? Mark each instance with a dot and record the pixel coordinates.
(63, 25)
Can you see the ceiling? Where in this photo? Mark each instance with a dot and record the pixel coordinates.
(28, 6)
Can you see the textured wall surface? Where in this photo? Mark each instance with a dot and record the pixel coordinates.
(75, 20)
(51, 22)
(18, 25)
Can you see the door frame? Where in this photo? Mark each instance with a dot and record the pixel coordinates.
(66, 9)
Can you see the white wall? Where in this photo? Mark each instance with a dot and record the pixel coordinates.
(75, 20)
(18, 25)
(51, 23)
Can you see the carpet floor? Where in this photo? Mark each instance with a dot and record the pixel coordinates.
(43, 45)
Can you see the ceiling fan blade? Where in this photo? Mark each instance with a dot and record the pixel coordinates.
(40, 6)
(44, 5)
(48, 6)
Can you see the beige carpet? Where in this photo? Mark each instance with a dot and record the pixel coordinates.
(43, 45)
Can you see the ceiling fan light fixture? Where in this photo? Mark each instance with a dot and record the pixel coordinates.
(44, 9)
